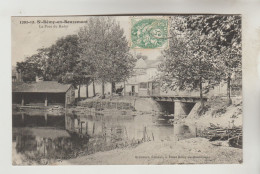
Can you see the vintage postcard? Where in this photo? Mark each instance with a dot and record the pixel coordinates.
(127, 90)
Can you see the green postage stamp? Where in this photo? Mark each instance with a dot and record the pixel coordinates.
(149, 33)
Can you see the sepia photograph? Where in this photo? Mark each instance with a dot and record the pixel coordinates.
(127, 90)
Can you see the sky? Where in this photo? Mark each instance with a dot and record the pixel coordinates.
(28, 37)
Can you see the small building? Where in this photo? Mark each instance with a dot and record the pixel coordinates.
(149, 88)
(43, 93)
(143, 83)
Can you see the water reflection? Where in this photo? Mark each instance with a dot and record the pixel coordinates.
(69, 135)
(41, 143)
(39, 120)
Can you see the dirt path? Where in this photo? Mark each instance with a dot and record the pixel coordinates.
(190, 151)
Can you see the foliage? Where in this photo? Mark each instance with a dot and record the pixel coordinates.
(105, 47)
(99, 52)
(33, 66)
(64, 62)
(200, 50)
(189, 61)
(60, 62)
(230, 46)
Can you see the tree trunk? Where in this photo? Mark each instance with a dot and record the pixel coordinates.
(201, 93)
(103, 89)
(79, 93)
(200, 84)
(86, 90)
(124, 89)
(113, 88)
(229, 101)
(94, 92)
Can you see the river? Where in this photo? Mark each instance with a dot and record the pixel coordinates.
(40, 135)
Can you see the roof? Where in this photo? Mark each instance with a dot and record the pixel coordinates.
(41, 87)
(145, 64)
(140, 64)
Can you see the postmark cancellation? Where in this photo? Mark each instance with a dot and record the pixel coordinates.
(149, 33)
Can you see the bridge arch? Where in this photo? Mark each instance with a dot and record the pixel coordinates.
(179, 106)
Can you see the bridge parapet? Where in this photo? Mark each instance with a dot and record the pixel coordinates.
(189, 99)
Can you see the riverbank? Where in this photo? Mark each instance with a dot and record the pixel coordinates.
(218, 113)
(122, 102)
(216, 110)
(165, 144)
(189, 151)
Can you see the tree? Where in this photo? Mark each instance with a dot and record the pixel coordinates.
(77, 79)
(226, 30)
(33, 66)
(230, 47)
(189, 62)
(63, 56)
(106, 49)
(28, 70)
(65, 63)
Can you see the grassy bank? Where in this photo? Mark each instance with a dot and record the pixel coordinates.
(217, 112)
(120, 102)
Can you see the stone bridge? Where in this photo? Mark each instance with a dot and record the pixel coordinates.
(178, 105)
